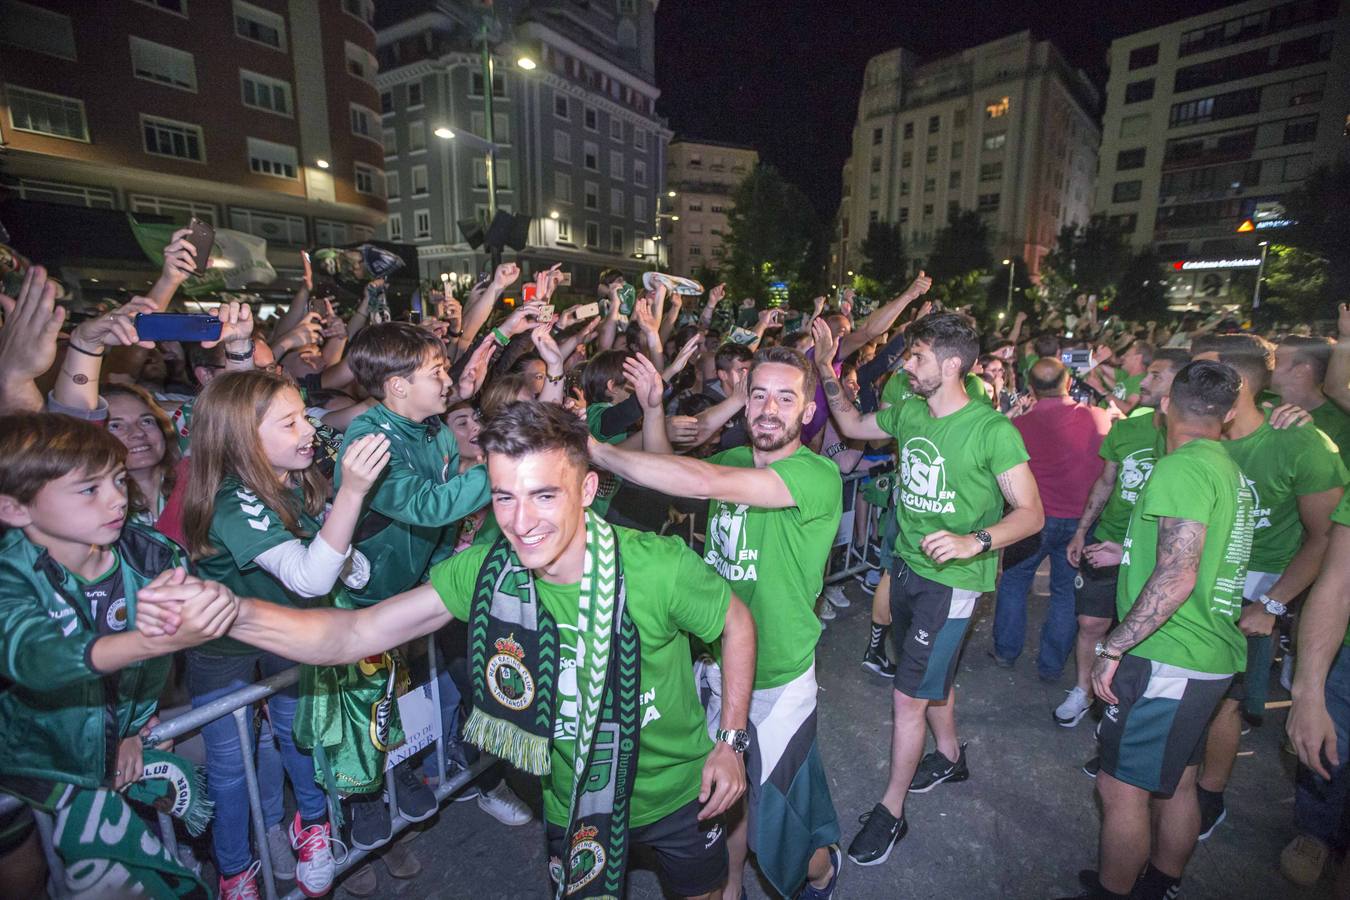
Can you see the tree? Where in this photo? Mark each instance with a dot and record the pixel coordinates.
(997, 293)
(772, 236)
(1295, 287)
(961, 247)
(1141, 292)
(1087, 259)
(1318, 209)
(884, 252)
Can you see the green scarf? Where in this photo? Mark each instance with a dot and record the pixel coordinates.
(106, 846)
(513, 649)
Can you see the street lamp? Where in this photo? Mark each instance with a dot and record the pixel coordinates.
(321, 163)
(553, 214)
(1260, 271)
(443, 133)
(526, 63)
(1012, 269)
(670, 194)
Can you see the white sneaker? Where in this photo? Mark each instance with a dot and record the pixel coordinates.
(316, 869)
(827, 613)
(279, 851)
(834, 595)
(1074, 707)
(504, 806)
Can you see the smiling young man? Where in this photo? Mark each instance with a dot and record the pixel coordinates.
(774, 510)
(960, 461)
(579, 657)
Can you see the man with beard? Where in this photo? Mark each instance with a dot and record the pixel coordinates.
(960, 460)
(773, 513)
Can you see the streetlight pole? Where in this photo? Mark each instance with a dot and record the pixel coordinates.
(1012, 271)
(490, 162)
(1260, 272)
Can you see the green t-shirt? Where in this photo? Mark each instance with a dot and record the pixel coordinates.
(609, 482)
(897, 389)
(948, 482)
(242, 528)
(1341, 516)
(1201, 483)
(1127, 386)
(783, 551)
(671, 595)
(1134, 445)
(1281, 466)
(1336, 425)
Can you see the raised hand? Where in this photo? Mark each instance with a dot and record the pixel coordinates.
(825, 343)
(919, 286)
(817, 307)
(307, 331)
(32, 322)
(363, 462)
(450, 311)
(716, 294)
(236, 323)
(643, 314)
(644, 380)
(180, 260)
(547, 347)
(505, 275)
(682, 431)
(115, 328)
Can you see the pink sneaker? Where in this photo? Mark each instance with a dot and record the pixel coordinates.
(314, 863)
(243, 886)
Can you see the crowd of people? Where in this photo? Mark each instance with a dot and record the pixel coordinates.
(616, 520)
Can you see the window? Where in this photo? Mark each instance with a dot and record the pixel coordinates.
(1134, 126)
(501, 170)
(616, 238)
(988, 203)
(417, 136)
(616, 205)
(565, 229)
(1142, 57)
(695, 228)
(560, 107)
(395, 226)
(282, 229)
(616, 164)
(419, 181)
(931, 154)
(390, 142)
(640, 208)
(958, 118)
(873, 215)
(367, 180)
(590, 156)
(476, 84)
(1297, 52)
(267, 158)
(363, 122)
(415, 94)
(909, 130)
(996, 109)
(165, 137)
(695, 250)
(929, 185)
(695, 160)
(391, 188)
(906, 159)
(991, 171)
(639, 139)
(360, 63)
(562, 146)
(262, 92)
(37, 29)
(49, 114)
(934, 124)
(262, 26)
(877, 134)
(1130, 159)
(179, 210)
(590, 197)
(1126, 191)
(615, 128)
(590, 119)
(1296, 131)
(562, 187)
(904, 187)
(386, 102)
(928, 210)
(995, 141)
(501, 126)
(1138, 91)
(1124, 223)
(162, 64)
(422, 225)
(639, 173)
(718, 252)
(716, 208)
(695, 206)
(958, 149)
(954, 180)
(1219, 106)
(876, 164)
(904, 214)
(592, 234)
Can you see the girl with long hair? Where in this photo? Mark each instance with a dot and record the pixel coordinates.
(254, 519)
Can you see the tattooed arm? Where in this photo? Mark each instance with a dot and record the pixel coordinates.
(851, 423)
(1024, 518)
(1096, 502)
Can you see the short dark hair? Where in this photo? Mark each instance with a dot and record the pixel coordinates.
(1252, 355)
(600, 370)
(950, 335)
(1046, 345)
(1146, 350)
(1175, 357)
(609, 276)
(730, 353)
(37, 448)
(531, 426)
(788, 357)
(1204, 389)
(390, 350)
(1315, 351)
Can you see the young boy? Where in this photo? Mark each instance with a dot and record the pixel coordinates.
(81, 682)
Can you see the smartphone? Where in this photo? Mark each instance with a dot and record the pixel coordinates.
(528, 293)
(587, 311)
(202, 237)
(191, 327)
(566, 279)
(415, 307)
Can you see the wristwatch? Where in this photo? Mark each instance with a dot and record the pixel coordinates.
(739, 739)
(1101, 651)
(986, 541)
(1274, 607)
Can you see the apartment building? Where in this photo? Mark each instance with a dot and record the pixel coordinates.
(1210, 121)
(702, 175)
(1007, 128)
(259, 116)
(580, 149)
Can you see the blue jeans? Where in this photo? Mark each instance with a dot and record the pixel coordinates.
(1010, 611)
(211, 677)
(1319, 805)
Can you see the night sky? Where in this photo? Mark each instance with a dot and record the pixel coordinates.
(784, 76)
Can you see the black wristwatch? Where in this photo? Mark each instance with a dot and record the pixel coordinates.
(986, 541)
(739, 739)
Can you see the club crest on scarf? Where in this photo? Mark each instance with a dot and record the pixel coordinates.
(507, 678)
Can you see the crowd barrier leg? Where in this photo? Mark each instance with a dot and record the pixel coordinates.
(255, 798)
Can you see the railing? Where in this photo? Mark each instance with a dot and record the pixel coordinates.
(856, 556)
(238, 705)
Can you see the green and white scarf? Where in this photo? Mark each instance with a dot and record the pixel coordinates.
(513, 647)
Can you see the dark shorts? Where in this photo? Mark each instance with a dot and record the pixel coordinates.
(928, 624)
(890, 530)
(691, 856)
(15, 827)
(1095, 590)
(1157, 727)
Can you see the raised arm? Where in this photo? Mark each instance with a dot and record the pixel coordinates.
(76, 387)
(881, 320)
(179, 263)
(847, 419)
(682, 476)
(28, 341)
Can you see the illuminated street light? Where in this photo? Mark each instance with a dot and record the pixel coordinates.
(553, 214)
(321, 163)
(526, 63)
(670, 193)
(444, 133)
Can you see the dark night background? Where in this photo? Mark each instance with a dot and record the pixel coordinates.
(784, 76)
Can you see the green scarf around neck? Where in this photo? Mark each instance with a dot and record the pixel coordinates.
(513, 651)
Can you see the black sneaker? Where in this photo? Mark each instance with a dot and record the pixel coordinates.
(1092, 767)
(878, 663)
(880, 832)
(1212, 810)
(936, 768)
(416, 802)
(368, 821)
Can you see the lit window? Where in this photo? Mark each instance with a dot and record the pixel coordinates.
(996, 109)
(49, 114)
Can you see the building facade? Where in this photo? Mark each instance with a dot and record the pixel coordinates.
(702, 176)
(260, 116)
(1006, 128)
(1210, 121)
(580, 148)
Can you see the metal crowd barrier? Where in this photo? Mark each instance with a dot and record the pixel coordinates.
(239, 706)
(857, 555)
